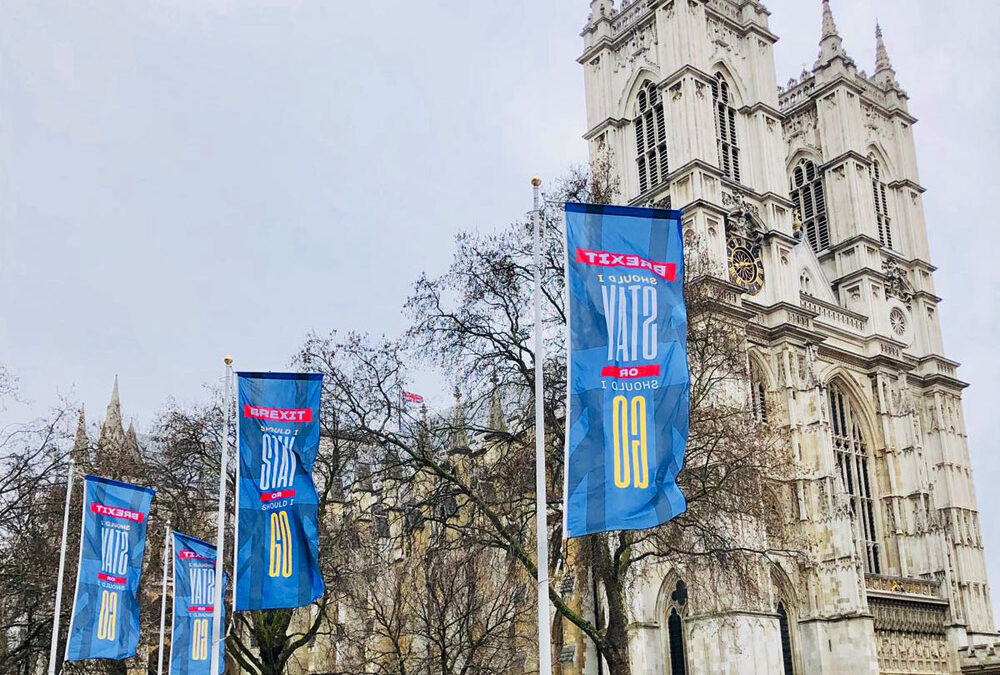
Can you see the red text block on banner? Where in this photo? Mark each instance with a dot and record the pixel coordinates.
(664, 270)
(630, 373)
(117, 512)
(278, 414)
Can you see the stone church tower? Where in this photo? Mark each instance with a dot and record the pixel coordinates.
(806, 198)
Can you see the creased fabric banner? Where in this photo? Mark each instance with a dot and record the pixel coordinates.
(194, 597)
(629, 384)
(105, 619)
(276, 528)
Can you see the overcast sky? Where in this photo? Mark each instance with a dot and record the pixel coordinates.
(180, 180)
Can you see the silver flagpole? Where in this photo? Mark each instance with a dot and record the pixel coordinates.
(221, 526)
(62, 567)
(163, 599)
(541, 502)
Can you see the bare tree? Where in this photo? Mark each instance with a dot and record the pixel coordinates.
(475, 324)
(32, 492)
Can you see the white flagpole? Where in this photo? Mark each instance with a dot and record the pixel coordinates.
(62, 567)
(221, 525)
(541, 503)
(163, 599)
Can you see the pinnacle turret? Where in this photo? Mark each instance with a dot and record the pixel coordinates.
(831, 45)
(459, 439)
(112, 429)
(497, 421)
(885, 75)
(80, 453)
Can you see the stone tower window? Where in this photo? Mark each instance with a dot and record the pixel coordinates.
(881, 203)
(786, 640)
(758, 393)
(675, 630)
(725, 128)
(650, 138)
(855, 466)
(808, 195)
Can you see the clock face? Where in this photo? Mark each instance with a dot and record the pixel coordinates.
(746, 269)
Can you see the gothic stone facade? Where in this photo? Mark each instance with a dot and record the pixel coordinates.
(807, 200)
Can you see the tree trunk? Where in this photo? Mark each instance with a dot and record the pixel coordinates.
(615, 641)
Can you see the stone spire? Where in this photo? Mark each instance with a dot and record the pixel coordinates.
(80, 452)
(830, 45)
(112, 441)
(114, 414)
(885, 75)
(497, 422)
(459, 439)
(132, 437)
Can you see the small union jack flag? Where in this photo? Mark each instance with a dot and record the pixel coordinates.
(412, 398)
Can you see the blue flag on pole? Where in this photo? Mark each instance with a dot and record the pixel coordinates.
(194, 595)
(105, 619)
(628, 379)
(277, 560)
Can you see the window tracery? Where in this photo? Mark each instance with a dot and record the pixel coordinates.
(854, 462)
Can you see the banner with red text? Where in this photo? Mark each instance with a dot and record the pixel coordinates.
(105, 619)
(628, 379)
(277, 560)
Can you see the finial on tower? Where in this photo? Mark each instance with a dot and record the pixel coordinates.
(882, 61)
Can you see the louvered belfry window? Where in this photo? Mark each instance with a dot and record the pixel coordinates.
(854, 463)
(881, 203)
(810, 198)
(725, 128)
(650, 138)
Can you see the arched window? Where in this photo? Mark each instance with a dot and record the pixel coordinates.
(808, 195)
(786, 640)
(650, 138)
(881, 203)
(678, 664)
(758, 393)
(675, 630)
(725, 128)
(855, 465)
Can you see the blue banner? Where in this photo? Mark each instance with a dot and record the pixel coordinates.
(105, 619)
(194, 598)
(628, 380)
(276, 529)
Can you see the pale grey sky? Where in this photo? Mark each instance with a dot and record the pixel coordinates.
(181, 180)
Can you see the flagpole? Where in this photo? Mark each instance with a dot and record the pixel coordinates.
(541, 502)
(163, 599)
(62, 567)
(221, 524)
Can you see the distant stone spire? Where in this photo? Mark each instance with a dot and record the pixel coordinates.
(132, 437)
(112, 440)
(459, 439)
(497, 421)
(80, 453)
(830, 45)
(114, 415)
